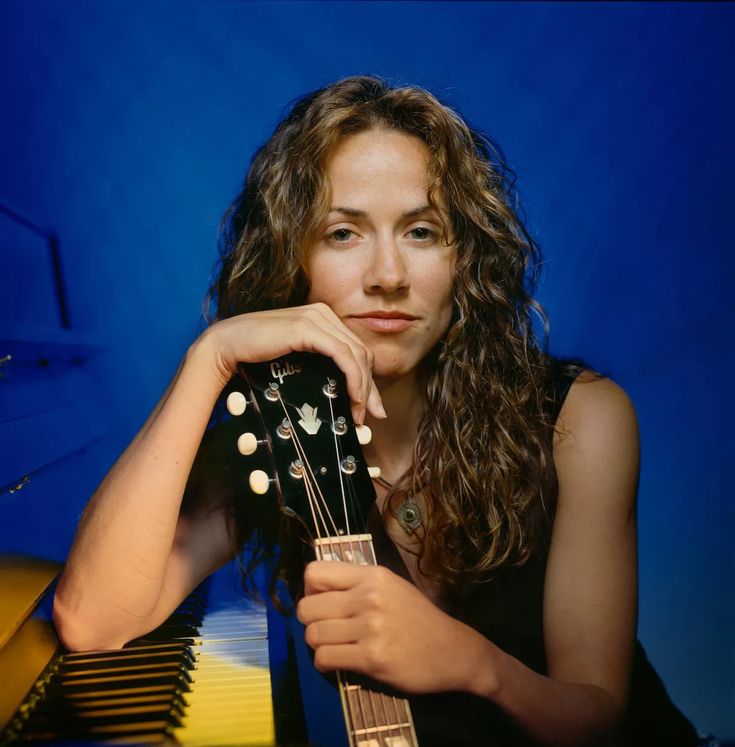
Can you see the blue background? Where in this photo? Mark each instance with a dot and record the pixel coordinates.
(128, 126)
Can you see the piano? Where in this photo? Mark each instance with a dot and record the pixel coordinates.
(202, 678)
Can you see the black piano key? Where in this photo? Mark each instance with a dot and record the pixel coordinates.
(139, 643)
(134, 648)
(82, 731)
(108, 706)
(120, 662)
(79, 674)
(112, 684)
(173, 631)
(67, 718)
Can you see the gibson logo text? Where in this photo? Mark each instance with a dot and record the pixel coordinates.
(280, 370)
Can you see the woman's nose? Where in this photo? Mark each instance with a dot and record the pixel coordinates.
(386, 271)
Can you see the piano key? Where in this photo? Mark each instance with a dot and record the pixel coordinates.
(120, 662)
(201, 678)
(171, 668)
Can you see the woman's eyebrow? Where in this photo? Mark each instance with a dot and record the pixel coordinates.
(418, 211)
(352, 212)
(355, 213)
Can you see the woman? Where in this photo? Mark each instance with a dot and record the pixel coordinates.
(376, 228)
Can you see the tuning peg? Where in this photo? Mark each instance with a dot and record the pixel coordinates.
(374, 472)
(247, 444)
(348, 465)
(259, 482)
(340, 426)
(296, 469)
(284, 429)
(364, 434)
(330, 388)
(236, 403)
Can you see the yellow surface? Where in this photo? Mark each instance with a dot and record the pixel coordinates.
(230, 704)
(21, 661)
(22, 582)
(26, 644)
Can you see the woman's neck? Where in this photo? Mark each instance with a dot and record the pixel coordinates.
(393, 440)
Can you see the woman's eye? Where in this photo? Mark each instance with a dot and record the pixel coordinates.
(341, 235)
(421, 233)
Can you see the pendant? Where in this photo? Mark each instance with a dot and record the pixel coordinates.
(409, 516)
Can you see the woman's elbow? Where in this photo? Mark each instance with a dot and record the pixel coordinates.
(77, 634)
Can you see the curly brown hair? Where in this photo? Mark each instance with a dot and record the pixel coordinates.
(482, 460)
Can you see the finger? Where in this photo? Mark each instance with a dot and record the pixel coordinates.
(375, 402)
(330, 575)
(328, 313)
(317, 340)
(358, 372)
(331, 632)
(364, 355)
(326, 605)
(347, 656)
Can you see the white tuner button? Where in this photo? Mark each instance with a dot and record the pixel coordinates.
(374, 472)
(247, 444)
(236, 403)
(259, 482)
(364, 434)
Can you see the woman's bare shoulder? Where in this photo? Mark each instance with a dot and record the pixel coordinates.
(596, 439)
(595, 405)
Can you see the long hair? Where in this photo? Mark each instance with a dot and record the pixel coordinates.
(482, 460)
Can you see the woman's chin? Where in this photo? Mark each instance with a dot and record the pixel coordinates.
(389, 372)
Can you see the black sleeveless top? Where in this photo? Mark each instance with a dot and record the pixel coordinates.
(508, 610)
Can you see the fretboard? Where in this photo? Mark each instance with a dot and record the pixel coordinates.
(373, 718)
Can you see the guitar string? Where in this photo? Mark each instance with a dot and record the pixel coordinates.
(337, 451)
(384, 701)
(302, 455)
(353, 557)
(315, 501)
(340, 456)
(395, 701)
(390, 703)
(307, 465)
(359, 691)
(309, 479)
(369, 699)
(309, 483)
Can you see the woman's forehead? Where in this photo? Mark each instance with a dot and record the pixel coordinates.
(379, 167)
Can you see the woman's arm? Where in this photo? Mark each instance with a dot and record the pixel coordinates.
(134, 556)
(590, 596)
(395, 634)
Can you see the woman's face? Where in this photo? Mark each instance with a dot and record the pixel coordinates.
(378, 260)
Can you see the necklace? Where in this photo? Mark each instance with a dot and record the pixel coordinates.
(408, 512)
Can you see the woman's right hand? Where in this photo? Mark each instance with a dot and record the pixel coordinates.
(263, 335)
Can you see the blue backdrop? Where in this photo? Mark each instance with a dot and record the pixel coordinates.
(127, 126)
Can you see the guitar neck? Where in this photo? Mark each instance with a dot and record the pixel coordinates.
(374, 718)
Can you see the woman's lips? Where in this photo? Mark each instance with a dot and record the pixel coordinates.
(385, 321)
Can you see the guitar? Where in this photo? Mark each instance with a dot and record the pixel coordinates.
(300, 406)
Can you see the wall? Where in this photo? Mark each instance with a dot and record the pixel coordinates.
(127, 126)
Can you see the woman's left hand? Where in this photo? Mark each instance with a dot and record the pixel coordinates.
(369, 620)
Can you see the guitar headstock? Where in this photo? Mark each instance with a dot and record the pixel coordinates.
(296, 411)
